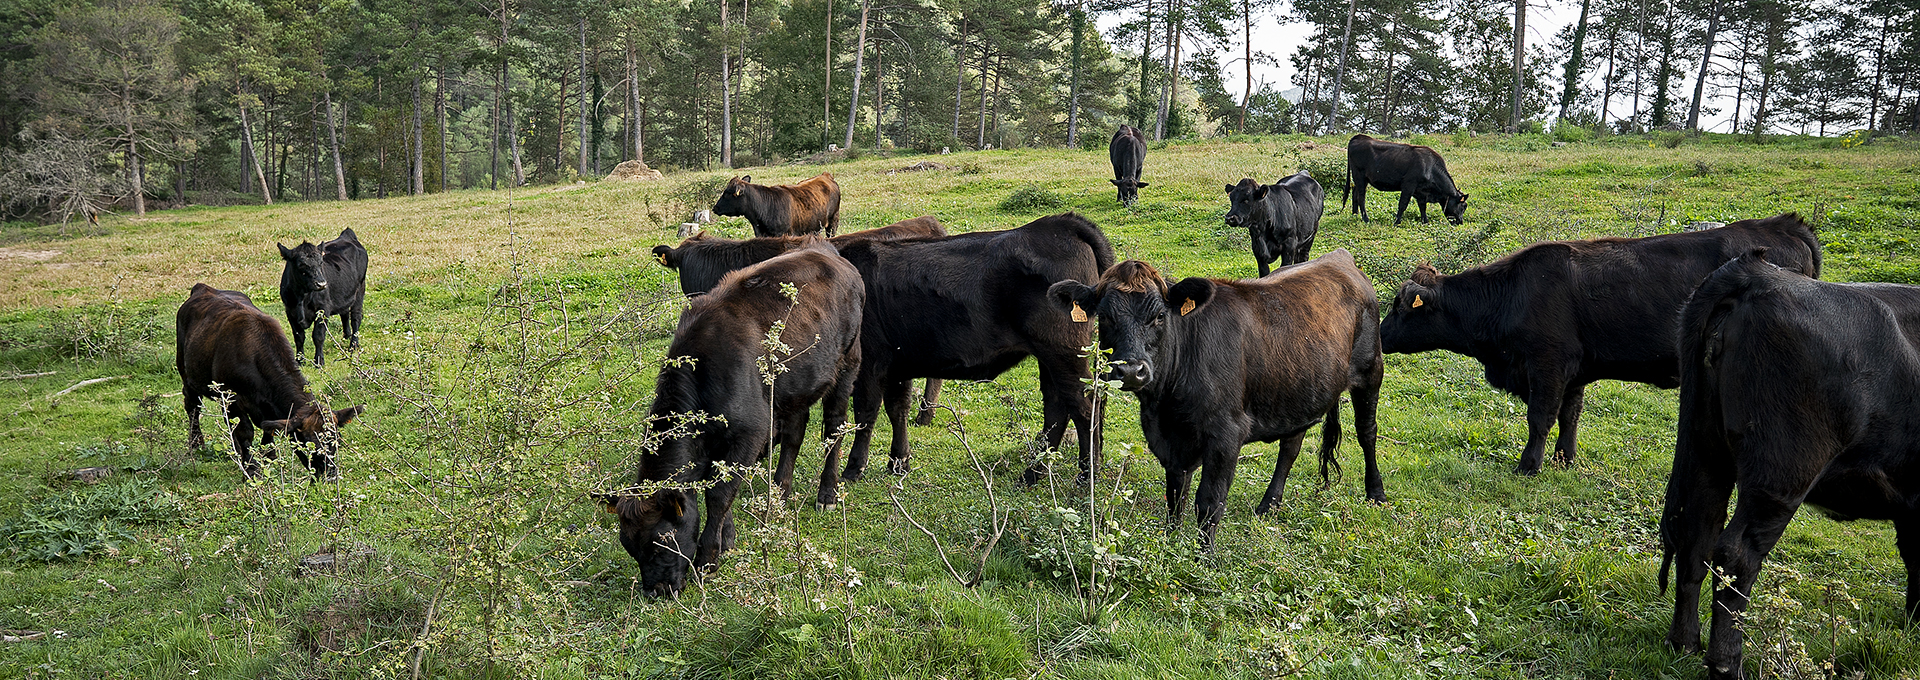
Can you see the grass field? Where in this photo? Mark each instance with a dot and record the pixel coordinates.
(509, 349)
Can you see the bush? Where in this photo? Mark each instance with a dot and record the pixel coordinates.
(1672, 139)
(1568, 132)
(1031, 198)
(88, 521)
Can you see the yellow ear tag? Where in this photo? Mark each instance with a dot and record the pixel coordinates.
(1079, 315)
(661, 257)
(1186, 307)
(1417, 302)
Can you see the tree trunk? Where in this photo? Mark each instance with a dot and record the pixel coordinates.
(440, 118)
(1663, 77)
(506, 102)
(253, 154)
(1639, 64)
(1146, 60)
(879, 93)
(1174, 27)
(980, 131)
(999, 69)
(1246, 96)
(859, 68)
(826, 93)
(1079, 17)
(1571, 88)
(1706, 60)
(1879, 69)
(1340, 71)
(133, 173)
(1519, 60)
(419, 144)
(635, 119)
(599, 121)
(726, 92)
(333, 140)
(959, 77)
(1606, 84)
(1769, 64)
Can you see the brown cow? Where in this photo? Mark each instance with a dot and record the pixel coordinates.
(221, 338)
(785, 210)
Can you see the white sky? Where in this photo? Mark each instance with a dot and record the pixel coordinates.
(1544, 20)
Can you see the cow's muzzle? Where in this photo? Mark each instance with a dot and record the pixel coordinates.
(1132, 375)
(1234, 221)
(319, 285)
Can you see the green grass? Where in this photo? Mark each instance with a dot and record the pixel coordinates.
(467, 476)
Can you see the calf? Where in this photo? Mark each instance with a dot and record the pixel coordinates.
(786, 210)
(702, 259)
(1796, 392)
(1552, 317)
(969, 307)
(329, 279)
(711, 405)
(1128, 151)
(223, 344)
(1281, 218)
(1417, 172)
(1219, 364)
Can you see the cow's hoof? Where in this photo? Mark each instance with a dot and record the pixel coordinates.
(1526, 470)
(825, 507)
(924, 419)
(1263, 508)
(850, 475)
(1684, 645)
(1377, 497)
(898, 467)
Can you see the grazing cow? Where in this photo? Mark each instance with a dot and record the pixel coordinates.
(713, 370)
(1281, 218)
(1552, 317)
(785, 210)
(969, 307)
(329, 279)
(221, 338)
(702, 259)
(1797, 392)
(1417, 172)
(1220, 364)
(1128, 151)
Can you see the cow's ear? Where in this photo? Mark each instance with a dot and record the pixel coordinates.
(284, 253)
(1229, 188)
(1137, 184)
(1075, 298)
(277, 425)
(1115, 182)
(673, 504)
(1463, 196)
(1190, 295)
(666, 257)
(746, 179)
(346, 415)
(1416, 296)
(607, 502)
(1260, 192)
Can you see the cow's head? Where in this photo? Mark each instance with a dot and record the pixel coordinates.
(316, 428)
(1249, 203)
(1455, 207)
(661, 532)
(1418, 320)
(1135, 306)
(306, 267)
(733, 199)
(1129, 190)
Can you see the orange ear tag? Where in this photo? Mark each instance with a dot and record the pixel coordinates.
(1417, 302)
(1186, 307)
(1079, 315)
(660, 257)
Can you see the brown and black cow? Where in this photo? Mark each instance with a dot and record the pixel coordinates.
(785, 210)
(1552, 317)
(702, 259)
(712, 407)
(969, 307)
(1417, 172)
(225, 344)
(1219, 364)
(1128, 152)
(1794, 391)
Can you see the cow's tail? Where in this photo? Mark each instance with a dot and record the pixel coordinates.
(1329, 445)
(1346, 185)
(1090, 234)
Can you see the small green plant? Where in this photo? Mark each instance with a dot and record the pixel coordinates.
(1568, 132)
(1031, 198)
(1672, 140)
(88, 521)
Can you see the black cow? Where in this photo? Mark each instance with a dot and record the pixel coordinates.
(1128, 151)
(785, 210)
(1219, 364)
(1797, 392)
(969, 307)
(1282, 218)
(329, 279)
(220, 337)
(702, 259)
(1417, 172)
(713, 369)
(1552, 317)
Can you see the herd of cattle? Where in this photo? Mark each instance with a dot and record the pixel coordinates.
(1795, 390)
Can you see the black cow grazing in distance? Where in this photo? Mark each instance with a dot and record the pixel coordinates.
(702, 259)
(220, 337)
(786, 210)
(1128, 151)
(329, 279)
(1417, 172)
(969, 307)
(712, 369)
(1220, 364)
(1795, 391)
(1552, 317)
(1281, 218)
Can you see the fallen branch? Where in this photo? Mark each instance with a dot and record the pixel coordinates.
(83, 383)
(24, 376)
(22, 635)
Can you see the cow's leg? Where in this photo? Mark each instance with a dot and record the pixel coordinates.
(194, 439)
(243, 445)
(1423, 209)
(929, 402)
(790, 430)
(833, 416)
(1570, 405)
(896, 398)
(352, 326)
(1179, 480)
(1360, 200)
(1263, 253)
(1366, 428)
(1216, 478)
(299, 340)
(1544, 391)
(1908, 533)
(867, 395)
(1402, 215)
(1289, 452)
(1759, 517)
(1062, 400)
(719, 518)
(1696, 509)
(320, 341)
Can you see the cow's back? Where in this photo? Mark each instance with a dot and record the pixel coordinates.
(221, 337)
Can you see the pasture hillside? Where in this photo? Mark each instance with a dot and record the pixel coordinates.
(510, 343)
